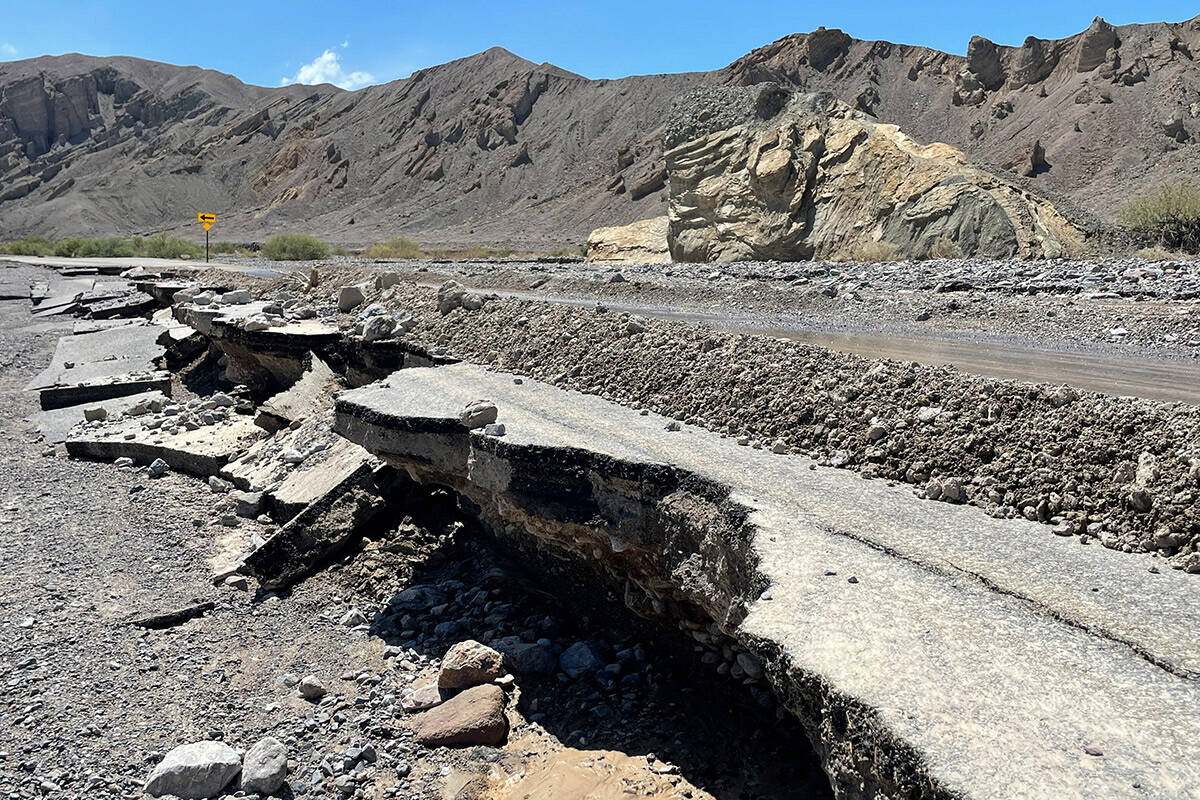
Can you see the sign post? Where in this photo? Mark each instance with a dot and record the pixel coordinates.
(207, 220)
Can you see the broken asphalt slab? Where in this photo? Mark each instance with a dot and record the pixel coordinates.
(106, 363)
(56, 424)
(930, 650)
(202, 452)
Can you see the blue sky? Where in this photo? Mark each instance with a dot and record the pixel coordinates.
(354, 44)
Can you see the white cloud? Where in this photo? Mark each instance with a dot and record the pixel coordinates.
(326, 68)
(7, 49)
(346, 43)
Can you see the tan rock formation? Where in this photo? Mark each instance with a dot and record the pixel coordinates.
(641, 242)
(761, 173)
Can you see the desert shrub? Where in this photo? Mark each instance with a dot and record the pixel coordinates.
(29, 246)
(876, 251)
(80, 247)
(945, 248)
(398, 247)
(1157, 253)
(1169, 217)
(163, 246)
(294, 247)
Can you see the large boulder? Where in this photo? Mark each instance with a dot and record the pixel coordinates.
(197, 770)
(641, 242)
(761, 173)
(474, 717)
(265, 768)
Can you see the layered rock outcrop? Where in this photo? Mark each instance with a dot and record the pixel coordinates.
(641, 242)
(765, 174)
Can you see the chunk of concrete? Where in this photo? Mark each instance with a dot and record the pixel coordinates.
(305, 397)
(256, 356)
(290, 488)
(322, 530)
(920, 644)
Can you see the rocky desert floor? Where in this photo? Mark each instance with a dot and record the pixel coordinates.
(93, 698)
(120, 646)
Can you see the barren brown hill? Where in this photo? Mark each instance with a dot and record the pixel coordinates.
(496, 149)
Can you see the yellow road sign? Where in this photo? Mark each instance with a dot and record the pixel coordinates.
(208, 226)
(207, 218)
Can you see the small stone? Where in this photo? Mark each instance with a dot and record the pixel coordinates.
(494, 429)
(96, 414)
(422, 698)
(378, 327)
(158, 468)
(674, 425)
(750, 665)
(247, 504)
(578, 659)
(311, 688)
(350, 298)
(952, 490)
(477, 414)
(238, 582)
(1140, 500)
(353, 618)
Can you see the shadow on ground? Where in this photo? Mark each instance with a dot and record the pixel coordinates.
(649, 694)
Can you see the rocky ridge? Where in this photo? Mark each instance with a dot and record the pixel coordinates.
(97, 146)
(765, 174)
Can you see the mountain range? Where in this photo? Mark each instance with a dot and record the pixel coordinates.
(493, 149)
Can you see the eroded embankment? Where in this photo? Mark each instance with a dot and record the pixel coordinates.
(1122, 471)
(921, 665)
(928, 649)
